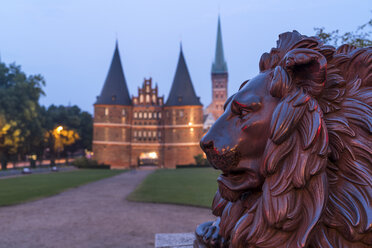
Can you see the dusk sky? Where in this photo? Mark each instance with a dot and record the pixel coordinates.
(71, 42)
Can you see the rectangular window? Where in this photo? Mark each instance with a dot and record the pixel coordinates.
(123, 112)
(153, 133)
(181, 113)
(135, 115)
(150, 115)
(145, 115)
(159, 115)
(140, 115)
(135, 133)
(154, 115)
(139, 134)
(144, 133)
(106, 111)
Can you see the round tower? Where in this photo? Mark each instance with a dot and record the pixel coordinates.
(183, 120)
(112, 118)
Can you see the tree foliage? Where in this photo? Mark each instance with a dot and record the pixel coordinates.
(71, 118)
(28, 128)
(361, 37)
(19, 111)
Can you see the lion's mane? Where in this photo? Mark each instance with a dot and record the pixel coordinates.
(317, 163)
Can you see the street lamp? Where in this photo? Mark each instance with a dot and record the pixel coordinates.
(59, 129)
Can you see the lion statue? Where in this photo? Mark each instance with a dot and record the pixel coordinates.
(294, 146)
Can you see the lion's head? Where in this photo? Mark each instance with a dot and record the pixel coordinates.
(294, 146)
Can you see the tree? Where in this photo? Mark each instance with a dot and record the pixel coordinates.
(10, 140)
(57, 139)
(73, 119)
(358, 38)
(19, 111)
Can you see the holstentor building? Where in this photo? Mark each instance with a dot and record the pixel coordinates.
(146, 129)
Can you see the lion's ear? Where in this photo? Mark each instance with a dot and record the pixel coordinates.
(307, 69)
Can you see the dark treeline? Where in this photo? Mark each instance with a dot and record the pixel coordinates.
(34, 132)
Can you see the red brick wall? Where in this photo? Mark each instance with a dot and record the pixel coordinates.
(114, 142)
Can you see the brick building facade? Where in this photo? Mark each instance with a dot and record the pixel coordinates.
(144, 129)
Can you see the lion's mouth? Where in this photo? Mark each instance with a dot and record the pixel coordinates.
(238, 176)
(223, 161)
(234, 183)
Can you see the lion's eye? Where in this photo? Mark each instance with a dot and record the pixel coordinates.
(244, 112)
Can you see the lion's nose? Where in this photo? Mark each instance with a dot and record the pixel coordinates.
(206, 145)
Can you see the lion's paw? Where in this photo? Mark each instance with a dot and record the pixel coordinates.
(207, 235)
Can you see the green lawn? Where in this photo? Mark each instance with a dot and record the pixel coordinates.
(194, 187)
(30, 187)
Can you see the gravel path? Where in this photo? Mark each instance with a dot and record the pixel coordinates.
(95, 215)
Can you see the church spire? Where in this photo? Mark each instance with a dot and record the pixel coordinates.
(182, 91)
(115, 90)
(219, 65)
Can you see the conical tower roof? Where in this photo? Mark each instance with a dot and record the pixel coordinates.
(182, 91)
(115, 90)
(219, 65)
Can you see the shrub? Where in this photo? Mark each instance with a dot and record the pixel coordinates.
(200, 160)
(84, 163)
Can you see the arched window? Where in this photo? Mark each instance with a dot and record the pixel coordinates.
(154, 115)
(147, 98)
(140, 115)
(141, 98)
(150, 115)
(159, 115)
(135, 115)
(145, 115)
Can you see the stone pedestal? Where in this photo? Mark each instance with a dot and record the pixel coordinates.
(174, 240)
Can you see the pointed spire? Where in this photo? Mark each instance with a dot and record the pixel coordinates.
(115, 90)
(182, 91)
(219, 65)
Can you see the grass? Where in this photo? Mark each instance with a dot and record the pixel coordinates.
(195, 187)
(31, 187)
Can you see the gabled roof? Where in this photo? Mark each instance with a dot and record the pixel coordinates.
(115, 90)
(182, 91)
(219, 65)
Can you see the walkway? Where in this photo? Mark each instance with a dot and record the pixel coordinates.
(95, 215)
